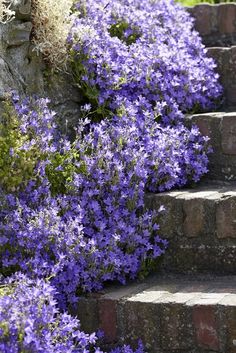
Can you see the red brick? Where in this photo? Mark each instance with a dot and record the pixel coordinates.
(108, 319)
(206, 329)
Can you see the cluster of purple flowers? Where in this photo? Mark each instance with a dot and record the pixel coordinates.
(145, 52)
(92, 226)
(31, 322)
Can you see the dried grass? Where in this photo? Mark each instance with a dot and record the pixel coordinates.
(6, 14)
(52, 22)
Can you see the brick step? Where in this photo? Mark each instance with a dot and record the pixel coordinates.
(221, 128)
(200, 225)
(175, 314)
(216, 23)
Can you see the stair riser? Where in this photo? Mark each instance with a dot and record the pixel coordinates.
(168, 320)
(215, 23)
(201, 229)
(225, 59)
(221, 128)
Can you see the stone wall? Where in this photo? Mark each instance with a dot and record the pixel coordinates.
(22, 69)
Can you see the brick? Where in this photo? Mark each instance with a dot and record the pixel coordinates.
(221, 57)
(206, 328)
(227, 18)
(229, 134)
(87, 311)
(170, 222)
(229, 306)
(194, 217)
(108, 319)
(176, 327)
(140, 320)
(226, 218)
(230, 93)
(202, 16)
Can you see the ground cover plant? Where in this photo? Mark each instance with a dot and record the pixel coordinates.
(31, 322)
(72, 212)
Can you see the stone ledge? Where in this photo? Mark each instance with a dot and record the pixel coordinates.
(200, 225)
(170, 314)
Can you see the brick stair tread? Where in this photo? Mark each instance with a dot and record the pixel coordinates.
(169, 313)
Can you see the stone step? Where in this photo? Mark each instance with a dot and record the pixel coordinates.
(221, 128)
(200, 225)
(225, 59)
(175, 314)
(216, 23)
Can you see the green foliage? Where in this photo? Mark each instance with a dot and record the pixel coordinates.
(16, 163)
(61, 169)
(118, 29)
(195, 2)
(89, 92)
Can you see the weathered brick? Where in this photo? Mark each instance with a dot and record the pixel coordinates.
(229, 134)
(203, 21)
(139, 320)
(108, 319)
(206, 327)
(221, 57)
(176, 327)
(87, 311)
(170, 222)
(229, 306)
(227, 18)
(226, 218)
(194, 217)
(230, 92)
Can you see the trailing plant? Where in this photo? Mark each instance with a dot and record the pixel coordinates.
(145, 53)
(31, 322)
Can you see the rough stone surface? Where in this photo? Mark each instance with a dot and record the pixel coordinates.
(23, 9)
(23, 70)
